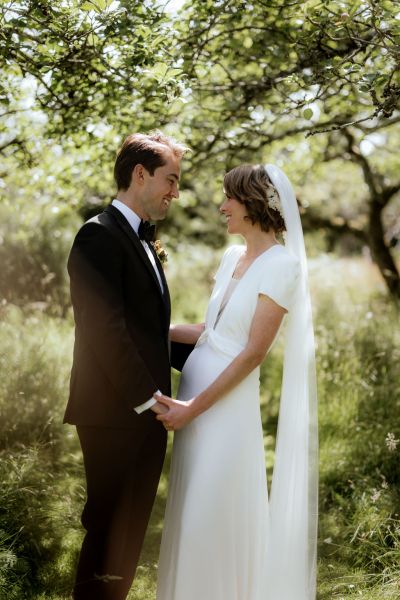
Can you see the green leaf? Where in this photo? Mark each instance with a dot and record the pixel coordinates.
(96, 5)
(308, 113)
(159, 70)
(87, 6)
(370, 76)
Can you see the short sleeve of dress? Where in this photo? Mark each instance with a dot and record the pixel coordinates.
(279, 279)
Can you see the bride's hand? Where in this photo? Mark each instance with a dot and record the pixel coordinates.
(178, 415)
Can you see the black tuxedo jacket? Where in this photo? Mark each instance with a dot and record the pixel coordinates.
(121, 325)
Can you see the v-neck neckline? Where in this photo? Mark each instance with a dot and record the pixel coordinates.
(252, 263)
(218, 319)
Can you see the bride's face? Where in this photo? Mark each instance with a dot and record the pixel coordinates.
(235, 213)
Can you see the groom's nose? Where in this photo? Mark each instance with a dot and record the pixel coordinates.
(175, 191)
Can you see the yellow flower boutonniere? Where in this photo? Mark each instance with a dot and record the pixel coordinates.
(162, 254)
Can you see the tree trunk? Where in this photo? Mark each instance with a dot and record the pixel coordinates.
(379, 250)
(380, 195)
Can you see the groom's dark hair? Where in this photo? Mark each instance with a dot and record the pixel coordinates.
(143, 149)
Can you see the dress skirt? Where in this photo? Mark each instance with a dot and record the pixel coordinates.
(216, 523)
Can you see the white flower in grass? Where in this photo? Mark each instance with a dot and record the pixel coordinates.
(384, 483)
(376, 495)
(391, 442)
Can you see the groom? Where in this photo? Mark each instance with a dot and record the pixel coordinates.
(122, 313)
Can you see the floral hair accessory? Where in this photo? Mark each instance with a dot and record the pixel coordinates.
(162, 254)
(274, 201)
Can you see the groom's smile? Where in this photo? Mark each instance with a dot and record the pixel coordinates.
(161, 188)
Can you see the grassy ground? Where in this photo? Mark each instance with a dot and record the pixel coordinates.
(42, 487)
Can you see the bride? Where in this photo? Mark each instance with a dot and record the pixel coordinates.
(222, 538)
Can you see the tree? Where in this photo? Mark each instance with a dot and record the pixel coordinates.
(86, 64)
(261, 72)
(236, 79)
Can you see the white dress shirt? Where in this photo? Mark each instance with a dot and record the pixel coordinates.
(134, 221)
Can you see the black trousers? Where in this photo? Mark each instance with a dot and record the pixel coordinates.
(122, 468)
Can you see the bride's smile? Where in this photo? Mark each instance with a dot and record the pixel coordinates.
(234, 213)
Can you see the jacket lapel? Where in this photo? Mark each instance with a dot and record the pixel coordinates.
(137, 244)
(160, 269)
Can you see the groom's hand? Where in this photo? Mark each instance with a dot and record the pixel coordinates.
(178, 414)
(158, 408)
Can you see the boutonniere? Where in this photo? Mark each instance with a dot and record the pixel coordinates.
(162, 254)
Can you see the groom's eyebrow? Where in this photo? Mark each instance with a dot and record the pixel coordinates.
(174, 175)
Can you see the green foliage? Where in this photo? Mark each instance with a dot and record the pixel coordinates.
(231, 75)
(41, 208)
(33, 255)
(237, 81)
(34, 525)
(83, 59)
(39, 465)
(34, 359)
(359, 393)
(262, 72)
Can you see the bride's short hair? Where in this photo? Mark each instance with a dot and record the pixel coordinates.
(251, 186)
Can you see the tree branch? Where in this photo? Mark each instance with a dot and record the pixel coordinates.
(13, 142)
(359, 158)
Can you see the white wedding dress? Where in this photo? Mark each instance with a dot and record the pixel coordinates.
(216, 522)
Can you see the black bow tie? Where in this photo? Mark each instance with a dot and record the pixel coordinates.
(146, 231)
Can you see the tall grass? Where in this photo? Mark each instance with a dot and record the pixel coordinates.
(359, 395)
(37, 491)
(42, 485)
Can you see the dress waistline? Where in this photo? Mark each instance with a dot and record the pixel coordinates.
(219, 343)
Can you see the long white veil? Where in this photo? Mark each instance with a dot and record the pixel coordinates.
(294, 492)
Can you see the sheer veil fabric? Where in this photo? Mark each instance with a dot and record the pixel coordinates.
(291, 547)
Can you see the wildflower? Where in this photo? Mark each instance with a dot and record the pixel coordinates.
(391, 442)
(376, 495)
(384, 483)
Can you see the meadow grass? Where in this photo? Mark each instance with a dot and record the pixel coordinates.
(42, 485)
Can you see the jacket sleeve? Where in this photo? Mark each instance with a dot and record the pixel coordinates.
(95, 267)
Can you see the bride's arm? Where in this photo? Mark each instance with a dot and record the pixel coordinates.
(186, 334)
(266, 322)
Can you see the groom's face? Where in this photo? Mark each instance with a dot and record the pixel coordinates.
(161, 188)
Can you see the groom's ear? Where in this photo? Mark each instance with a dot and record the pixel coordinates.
(138, 174)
